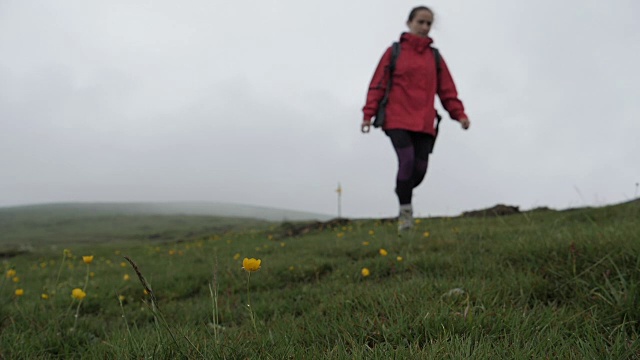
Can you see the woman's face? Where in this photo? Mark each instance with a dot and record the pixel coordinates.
(421, 23)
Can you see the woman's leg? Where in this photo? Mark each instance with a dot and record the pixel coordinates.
(422, 144)
(403, 145)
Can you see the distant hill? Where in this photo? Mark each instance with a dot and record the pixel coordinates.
(73, 223)
(170, 208)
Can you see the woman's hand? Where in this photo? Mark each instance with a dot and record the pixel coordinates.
(366, 126)
(465, 123)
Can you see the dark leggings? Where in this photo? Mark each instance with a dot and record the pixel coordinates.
(413, 149)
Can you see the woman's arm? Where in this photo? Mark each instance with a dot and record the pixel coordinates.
(448, 95)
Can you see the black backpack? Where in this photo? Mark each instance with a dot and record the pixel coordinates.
(395, 51)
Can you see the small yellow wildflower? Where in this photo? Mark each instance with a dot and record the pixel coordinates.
(251, 264)
(43, 264)
(236, 256)
(291, 268)
(418, 221)
(16, 279)
(426, 234)
(92, 274)
(126, 277)
(282, 244)
(44, 296)
(144, 291)
(88, 259)
(365, 272)
(11, 273)
(121, 298)
(365, 243)
(19, 292)
(371, 232)
(383, 252)
(340, 234)
(78, 294)
(399, 258)
(123, 264)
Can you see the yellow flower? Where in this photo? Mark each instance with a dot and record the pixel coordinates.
(365, 243)
(282, 244)
(365, 272)
(123, 264)
(418, 221)
(236, 256)
(16, 279)
(126, 277)
(43, 264)
(78, 294)
(371, 232)
(44, 297)
(11, 273)
(291, 268)
(117, 252)
(426, 234)
(88, 259)
(383, 252)
(251, 264)
(121, 298)
(144, 291)
(19, 292)
(340, 234)
(399, 258)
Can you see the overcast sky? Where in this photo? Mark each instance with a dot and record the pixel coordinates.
(259, 102)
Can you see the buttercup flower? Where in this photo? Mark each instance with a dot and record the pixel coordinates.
(383, 252)
(16, 279)
(44, 297)
(123, 264)
(251, 264)
(78, 294)
(87, 259)
(236, 256)
(371, 232)
(426, 234)
(19, 292)
(365, 272)
(365, 243)
(399, 258)
(11, 273)
(126, 277)
(121, 298)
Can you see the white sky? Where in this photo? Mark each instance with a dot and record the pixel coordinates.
(259, 102)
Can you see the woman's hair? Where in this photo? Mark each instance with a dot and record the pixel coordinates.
(415, 10)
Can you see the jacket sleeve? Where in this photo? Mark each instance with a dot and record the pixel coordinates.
(378, 86)
(448, 94)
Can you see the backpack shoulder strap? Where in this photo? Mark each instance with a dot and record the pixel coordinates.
(436, 55)
(395, 51)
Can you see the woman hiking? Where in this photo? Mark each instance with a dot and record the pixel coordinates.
(418, 75)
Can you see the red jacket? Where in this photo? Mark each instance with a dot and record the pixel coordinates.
(414, 86)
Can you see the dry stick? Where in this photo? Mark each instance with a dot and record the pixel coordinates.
(155, 308)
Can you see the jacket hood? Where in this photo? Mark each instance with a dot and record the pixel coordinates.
(420, 44)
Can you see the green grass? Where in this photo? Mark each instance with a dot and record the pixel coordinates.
(537, 285)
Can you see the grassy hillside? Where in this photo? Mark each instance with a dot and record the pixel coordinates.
(536, 285)
(40, 225)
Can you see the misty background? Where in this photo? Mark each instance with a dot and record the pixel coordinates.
(259, 103)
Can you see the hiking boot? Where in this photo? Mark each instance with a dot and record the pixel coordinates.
(405, 219)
